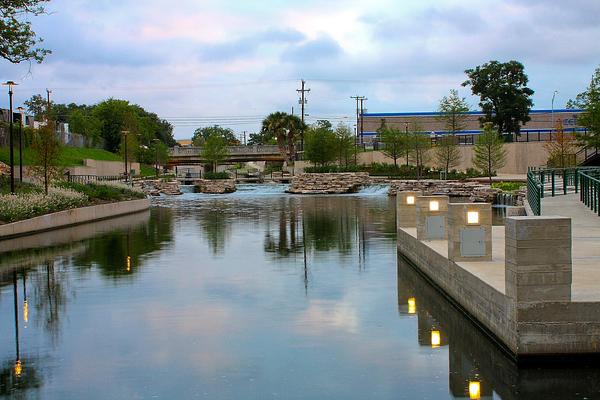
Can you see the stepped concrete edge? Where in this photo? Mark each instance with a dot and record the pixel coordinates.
(70, 217)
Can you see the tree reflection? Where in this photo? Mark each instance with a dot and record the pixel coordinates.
(117, 254)
(215, 225)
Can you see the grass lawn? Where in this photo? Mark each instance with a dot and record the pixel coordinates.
(70, 156)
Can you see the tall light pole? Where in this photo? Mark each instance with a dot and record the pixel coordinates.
(552, 112)
(124, 133)
(10, 85)
(21, 109)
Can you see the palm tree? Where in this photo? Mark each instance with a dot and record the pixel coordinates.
(286, 129)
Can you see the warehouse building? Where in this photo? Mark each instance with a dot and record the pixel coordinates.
(539, 128)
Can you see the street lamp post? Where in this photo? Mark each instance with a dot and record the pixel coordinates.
(552, 113)
(10, 85)
(21, 109)
(125, 148)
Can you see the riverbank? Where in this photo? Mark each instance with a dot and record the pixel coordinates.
(74, 216)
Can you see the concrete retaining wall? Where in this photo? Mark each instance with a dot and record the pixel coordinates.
(72, 217)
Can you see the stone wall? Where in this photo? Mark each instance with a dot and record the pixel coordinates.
(332, 183)
(474, 191)
(215, 186)
(154, 187)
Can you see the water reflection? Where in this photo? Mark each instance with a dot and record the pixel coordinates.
(478, 368)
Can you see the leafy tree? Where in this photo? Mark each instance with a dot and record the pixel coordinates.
(202, 134)
(37, 105)
(46, 155)
(562, 150)
(286, 129)
(215, 150)
(345, 144)
(419, 144)
(504, 95)
(115, 116)
(320, 144)
(489, 153)
(394, 141)
(446, 152)
(260, 138)
(589, 102)
(453, 111)
(85, 124)
(17, 41)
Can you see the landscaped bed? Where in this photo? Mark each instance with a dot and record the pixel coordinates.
(31, 201)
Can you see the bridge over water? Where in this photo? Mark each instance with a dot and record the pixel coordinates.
(194, 155)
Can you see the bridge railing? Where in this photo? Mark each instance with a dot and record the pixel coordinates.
(544, 181)
(590, 189)
(232, 150)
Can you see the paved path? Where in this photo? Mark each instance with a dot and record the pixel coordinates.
(586, 244)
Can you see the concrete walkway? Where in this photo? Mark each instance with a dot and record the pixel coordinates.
(585, 226)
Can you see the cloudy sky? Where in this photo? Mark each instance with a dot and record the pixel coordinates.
(199, 62)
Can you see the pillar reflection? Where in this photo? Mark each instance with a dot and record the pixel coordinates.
(478, 368)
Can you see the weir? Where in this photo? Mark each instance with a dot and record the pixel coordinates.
(516, 281)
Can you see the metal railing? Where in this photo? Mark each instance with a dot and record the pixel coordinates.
(590, 189)
(93, 178)
(535, 191)
(543, 182)
(231, 150)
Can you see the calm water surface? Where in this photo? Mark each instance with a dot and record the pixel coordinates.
(254, 295)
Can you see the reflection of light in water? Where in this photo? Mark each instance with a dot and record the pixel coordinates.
(435, 339)
(412, 305)
(25, 311)
(128, 264)
(18, 368)
(474, 390)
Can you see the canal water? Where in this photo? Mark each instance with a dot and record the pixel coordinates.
(253, 295)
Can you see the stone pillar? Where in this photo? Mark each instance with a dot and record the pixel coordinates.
(538, 259)
(470, 232)
(406, 209)
(432, 213)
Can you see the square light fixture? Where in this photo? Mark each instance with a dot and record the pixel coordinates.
(472, 217)
(410, 200)
(474, 390)
(435, 339)
(434, 205)
(412, 305)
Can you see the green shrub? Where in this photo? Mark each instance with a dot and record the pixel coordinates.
(216, 175)
(508, 186)
(105, 191)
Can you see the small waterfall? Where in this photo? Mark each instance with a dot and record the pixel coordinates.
(374, 190)
(506, 199)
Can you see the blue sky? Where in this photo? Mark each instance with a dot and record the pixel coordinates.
(232, 62)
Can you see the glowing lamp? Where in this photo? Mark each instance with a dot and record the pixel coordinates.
(25, 311)
(410, 200)
(474, 390)
(472, 217)
(434, 205)
(18, 368)
(435, 339)
(412, 305)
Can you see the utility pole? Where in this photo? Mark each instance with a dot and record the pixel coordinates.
(362, 119)
(302, 102)
(244, 138)
(359, 100)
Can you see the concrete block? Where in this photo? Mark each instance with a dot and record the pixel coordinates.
(538, 259)
(461, 229)
(431, 217)
(406, 209)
